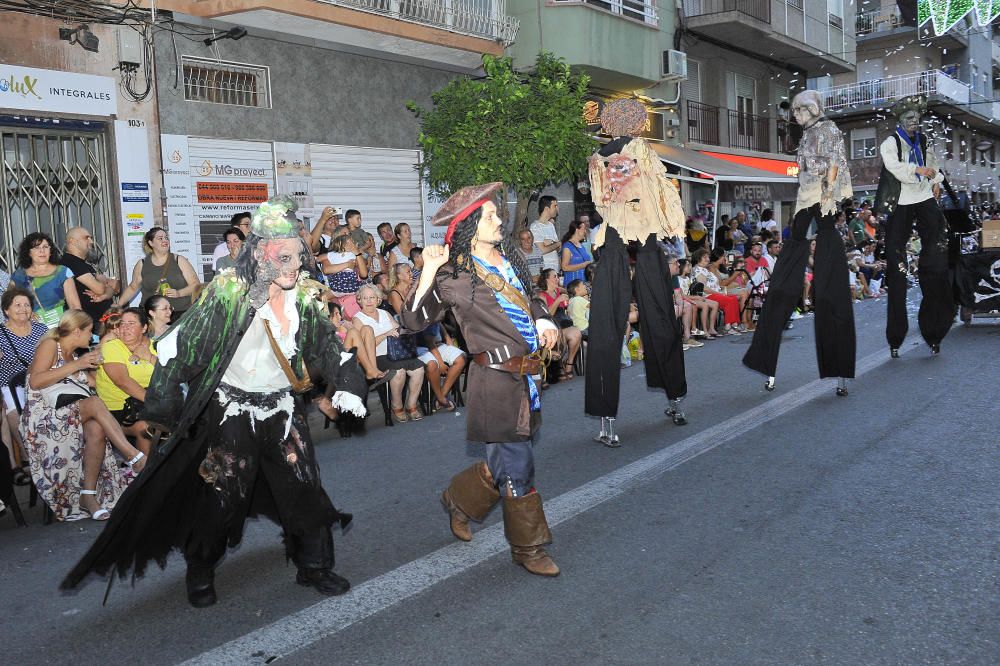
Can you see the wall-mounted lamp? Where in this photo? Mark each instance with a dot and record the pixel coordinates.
(233, 34)
(82, 36)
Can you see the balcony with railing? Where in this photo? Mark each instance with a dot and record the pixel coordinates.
(703, 123)
(713, 126)
(749, 132)
(644, 11)
(770, 27)
(881, 20)
(882, 93)
(485, 18)
(887, 24)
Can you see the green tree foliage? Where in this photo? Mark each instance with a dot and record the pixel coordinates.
(524, 129)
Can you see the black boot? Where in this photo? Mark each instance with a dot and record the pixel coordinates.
(312, 553)
(200, 581)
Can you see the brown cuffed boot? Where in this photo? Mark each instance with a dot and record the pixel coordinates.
(470, 496)
(526, 530)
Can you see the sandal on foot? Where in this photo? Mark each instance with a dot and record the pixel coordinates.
(21, 477)
(399, 416)
(567, 373)
(101, 514)
(447, 405)
(414, 414)
(139, 458)
(381, 379)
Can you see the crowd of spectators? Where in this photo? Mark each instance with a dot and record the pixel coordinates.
(72, 400)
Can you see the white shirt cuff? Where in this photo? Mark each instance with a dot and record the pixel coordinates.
(542, 325)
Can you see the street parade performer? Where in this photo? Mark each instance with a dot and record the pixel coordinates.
(907, 193)
(632, 192)
(824, 180)
(479, 275)
(237, 442)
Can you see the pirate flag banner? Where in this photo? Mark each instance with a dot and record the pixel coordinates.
(977, 279)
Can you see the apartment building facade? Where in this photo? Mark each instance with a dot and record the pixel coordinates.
(745, 58)
(958, 72)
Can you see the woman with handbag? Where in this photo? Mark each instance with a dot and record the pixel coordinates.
(393, 350)
(162, 272)
(19, 337)
(66, 428)
(50, 284)
(123, 377)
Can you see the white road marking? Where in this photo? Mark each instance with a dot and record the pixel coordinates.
(312, 624)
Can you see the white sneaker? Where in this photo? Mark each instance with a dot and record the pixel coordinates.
(685, 347)
(796, 315)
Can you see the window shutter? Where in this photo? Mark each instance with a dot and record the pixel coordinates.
(691, 87)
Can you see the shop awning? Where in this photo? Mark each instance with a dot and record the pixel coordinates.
(736, 182)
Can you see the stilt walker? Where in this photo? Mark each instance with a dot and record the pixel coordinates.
(824, 180)
(631, 191)
(481, 278)
(228, 393)
(907, 193)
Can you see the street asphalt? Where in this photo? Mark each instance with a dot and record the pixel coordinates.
(802, 528)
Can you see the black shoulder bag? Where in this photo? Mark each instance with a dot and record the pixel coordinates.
(22, 377)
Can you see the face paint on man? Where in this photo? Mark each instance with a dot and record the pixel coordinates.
(279, 262)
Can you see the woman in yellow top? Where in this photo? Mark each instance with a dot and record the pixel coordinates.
(124, 375)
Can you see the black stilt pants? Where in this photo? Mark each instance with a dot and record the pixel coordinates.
(658, 325)
(937, 307)
(835, 335)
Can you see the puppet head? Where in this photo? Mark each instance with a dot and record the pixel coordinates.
(908, 112)
(807, 107)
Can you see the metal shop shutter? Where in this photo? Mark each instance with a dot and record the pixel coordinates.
(382, 183)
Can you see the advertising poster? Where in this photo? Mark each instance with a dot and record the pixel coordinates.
(293, 176)
(132, 155)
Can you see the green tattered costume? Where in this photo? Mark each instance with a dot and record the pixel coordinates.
(158, 511)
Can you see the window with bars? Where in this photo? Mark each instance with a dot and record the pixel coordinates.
(221, 82)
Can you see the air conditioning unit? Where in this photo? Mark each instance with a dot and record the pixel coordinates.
(674, 66)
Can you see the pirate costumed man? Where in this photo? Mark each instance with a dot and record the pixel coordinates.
(237, 441)
(631, 190)
(907, 192)
(479, 276)
(824, 180)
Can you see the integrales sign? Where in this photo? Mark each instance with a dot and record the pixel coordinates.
(29, 89)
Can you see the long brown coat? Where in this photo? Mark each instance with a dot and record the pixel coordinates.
(497, 403)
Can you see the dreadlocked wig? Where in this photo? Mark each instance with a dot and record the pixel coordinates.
(461, 251)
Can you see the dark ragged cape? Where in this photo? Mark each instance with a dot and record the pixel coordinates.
(156, 512)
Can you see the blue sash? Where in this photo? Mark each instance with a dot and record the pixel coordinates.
(522, 320)
(916, 155)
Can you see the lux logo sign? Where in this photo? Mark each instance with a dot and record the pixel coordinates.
(944, 14)
(22, 88)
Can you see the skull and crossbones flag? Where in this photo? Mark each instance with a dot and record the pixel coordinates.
(977, 278)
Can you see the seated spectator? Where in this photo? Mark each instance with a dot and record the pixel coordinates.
(363, 340)
(417, 258)
(444, 363)
(19, 337)
(124, 375)
(50, 283)
(872, 268)
(579, 305)
(529, 252)
(67, 430)
(384, 326)
(733, 280)
(707, 309)
(344, 266)
(158, 313)
(807, 284)
(400, 280)
(556, 300)
(773, 249)
(696, 233)
(233, 239)
(756, 260)
(400, 254)
(574, 257)
(730, 304)
(683, 309)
